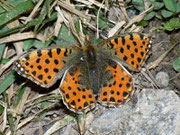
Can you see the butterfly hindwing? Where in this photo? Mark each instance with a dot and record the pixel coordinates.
(117, 89)
(43, 65)
(77, 97)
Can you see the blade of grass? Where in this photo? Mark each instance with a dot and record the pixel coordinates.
(10, 78)
(43, 14)
(4, 60)
(11, 123)
(18, 10)
(59, 124)
(2, 46)
(19, 95)
(9, 115)
(30, 24)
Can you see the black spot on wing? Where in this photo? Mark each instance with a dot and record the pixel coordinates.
(34, 73)
(141, 36)
(39, 67)
(66, 52)
(123, 40)
(125, 58)
(55, 70)
(27, 63)
(85, 104)
(47, 61)
(121, 50)
(50, 53)
(134, 43)
(125, 94)
(46, 70)
(142, 54)
(39, 53)
(27, 57)
(139, 60)
(38, 60)
(56, 61)
(116, 40)
(58, 51)
(131, 37)
(49, 77)
(112, 99)
(132, 55)
(40, 77)
(111, 45)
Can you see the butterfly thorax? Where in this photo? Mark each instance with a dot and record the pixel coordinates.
(90, 54)
(93, 69)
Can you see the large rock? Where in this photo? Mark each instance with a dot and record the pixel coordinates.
(157, 112)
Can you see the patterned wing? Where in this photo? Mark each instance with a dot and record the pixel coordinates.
(132, 49)
(119, 88)
(43, 66)
(76, 97)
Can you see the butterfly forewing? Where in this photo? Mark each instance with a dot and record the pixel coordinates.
(43, 65)
(132, 49)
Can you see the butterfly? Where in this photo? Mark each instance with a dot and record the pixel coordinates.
(94, 72)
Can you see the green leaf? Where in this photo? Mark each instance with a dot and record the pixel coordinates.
(9, 116)
(2, 107)
(1, 133)
(30, 24)
(12, 2)
(4, 60)
(159, 16)
(2, 46)
(10, 78)
(42, 115)
(65, 37)
(16, 11)
(44, 12)
(170, 5)
(143, 23)
(19, 95)
(27, 44)
(103, 23)
(178, 7)
(77, 24)
(97, 41)
(158, 5)
(166, 13)
(138, 4)
(11, 123)
(44, 105)
(149, 15)
(176, 64)
(172, 24)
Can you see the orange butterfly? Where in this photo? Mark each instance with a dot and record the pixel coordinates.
(90, 73)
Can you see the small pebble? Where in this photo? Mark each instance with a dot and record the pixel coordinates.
(131, 12)
(162, 79)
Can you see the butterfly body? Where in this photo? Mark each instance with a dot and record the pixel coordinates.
(92, 72)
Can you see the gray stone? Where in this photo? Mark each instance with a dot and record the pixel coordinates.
(162, 79)
(157, 112)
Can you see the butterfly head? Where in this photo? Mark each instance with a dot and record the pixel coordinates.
(89, 50)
